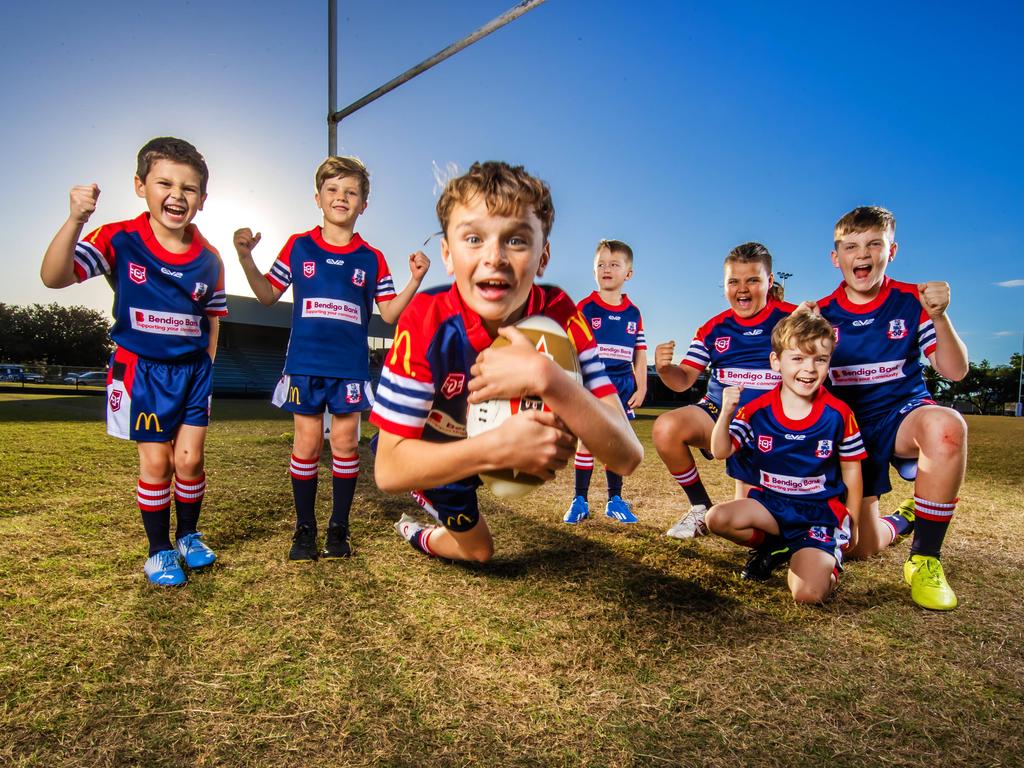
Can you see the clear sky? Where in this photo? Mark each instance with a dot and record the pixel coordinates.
(682, 127)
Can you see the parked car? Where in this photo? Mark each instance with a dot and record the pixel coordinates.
(14, 372)
(87, 379)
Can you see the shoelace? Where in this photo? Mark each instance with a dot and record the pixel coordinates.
(933, 572)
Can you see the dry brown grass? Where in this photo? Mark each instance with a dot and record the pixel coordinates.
(599, 645)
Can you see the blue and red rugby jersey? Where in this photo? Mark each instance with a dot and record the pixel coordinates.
(162, 300)
(876, 366)
(738, 351)
(333, 289)
(798, 457)
(422, 391)
(618, 330)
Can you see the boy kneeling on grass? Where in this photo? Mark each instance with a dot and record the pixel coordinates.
(805, 447)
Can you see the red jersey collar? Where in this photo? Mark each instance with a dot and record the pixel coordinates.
(317, 233)
(757, 319)
(596, 298)
(145, 229)
(475, 331)
(861, 309)
(798, 424)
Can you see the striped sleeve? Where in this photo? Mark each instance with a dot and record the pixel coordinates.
(926, 334)
(217, 304)
(697, 356)
(385, 282)
(852, 446)
(94, 255)
(280, 274)
(595, 378)
(406, 391)
(740, 432)
(641, 340)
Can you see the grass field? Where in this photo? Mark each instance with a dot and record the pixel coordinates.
(599, 645)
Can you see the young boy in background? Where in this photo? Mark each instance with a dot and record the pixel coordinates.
(168, 300)
(496, 219)
(805, 448)
(618, 329)
(882, 327)
(736, 345)
(335, 277)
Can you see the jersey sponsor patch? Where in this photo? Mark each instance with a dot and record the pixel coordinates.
(332, 309)
(793, 486)
(756, 379)
(167, 323)
(869, 373)
(453, 385)
(445, 424)
(615, 352)
(137, 272)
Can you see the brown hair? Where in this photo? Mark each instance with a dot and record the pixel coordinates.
(616, 246)
(750, 253)
(864, 218)
(805, 329)
(506, 189)
(341, 166)
(175, 150)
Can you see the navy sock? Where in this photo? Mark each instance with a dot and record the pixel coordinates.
(188, 499)
(583, 482)
(304, 477)
(344, 475)
(928, 537)
(614, 483)
(155, 505)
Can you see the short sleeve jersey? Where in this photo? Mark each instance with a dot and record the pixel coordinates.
(738, 351)
(798, 457)
(618, 330)
(163, 301)
(333, 290)
(422, 391)
(876, 366)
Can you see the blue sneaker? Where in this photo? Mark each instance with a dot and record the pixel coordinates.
(194, 552)
(619, 510)
(164, 569)
(578, 511)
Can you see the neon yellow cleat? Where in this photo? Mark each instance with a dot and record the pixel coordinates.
(906, 510)
(928, 586)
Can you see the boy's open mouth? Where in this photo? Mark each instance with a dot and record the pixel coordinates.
(861, 271)
(492, 289)
(177, 211)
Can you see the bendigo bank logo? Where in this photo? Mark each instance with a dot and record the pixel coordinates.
(147, 422)
(453, 385)
(137, 273)
(309, 268)
(764, 443)
(722, 343)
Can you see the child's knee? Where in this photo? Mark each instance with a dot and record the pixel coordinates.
(811, 594)
(716, 519)
(943, 433)
(480, 553)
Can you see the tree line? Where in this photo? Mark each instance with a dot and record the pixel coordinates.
(55, 335)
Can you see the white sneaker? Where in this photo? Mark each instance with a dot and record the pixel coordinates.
(690, 525)
(407, 526)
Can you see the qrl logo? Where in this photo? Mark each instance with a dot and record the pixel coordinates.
(722, 343)
(308, 268)
(358, 278)
(115, 400)
(137, 273)
(453, 385)
(897, 329)
(595, 323)
(764, 443)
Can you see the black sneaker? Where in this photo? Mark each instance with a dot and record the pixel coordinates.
(304, 544)
(763, 561)
(337, 544)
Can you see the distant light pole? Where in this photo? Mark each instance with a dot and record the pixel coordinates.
(780, 286)
(1020, 376)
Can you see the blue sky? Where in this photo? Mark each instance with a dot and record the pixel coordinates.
(683, 128)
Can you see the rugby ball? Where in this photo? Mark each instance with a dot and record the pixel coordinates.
(551, 340)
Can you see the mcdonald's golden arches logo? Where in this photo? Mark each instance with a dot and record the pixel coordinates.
(293, 395)
(402, 337)
(148, 422)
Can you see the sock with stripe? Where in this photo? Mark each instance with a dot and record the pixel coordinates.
(345, 472)
(584, 465)
(155, 505)
(304, 472)
(417, 535)
(930, 526)
(692, 486)
(188, 499)
(614, 484)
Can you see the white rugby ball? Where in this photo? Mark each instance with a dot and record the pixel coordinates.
(551, 340)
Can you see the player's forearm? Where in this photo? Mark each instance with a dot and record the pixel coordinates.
(640, 370)
(601, 425)
(211, 348)
(721, 440)
(261, 286)
(58, 267)
(678, 378)
(854, 482)
(390, 311)
(408, 464)
(950, 356)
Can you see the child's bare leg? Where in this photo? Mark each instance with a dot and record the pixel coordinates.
(673, 434)
(475, 545)
(344, 475)
(304, 468)
(743, 521)
(811, 578)
(873, 535)
(189, 478)
(156, 465)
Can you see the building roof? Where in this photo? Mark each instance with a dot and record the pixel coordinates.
(246, 310)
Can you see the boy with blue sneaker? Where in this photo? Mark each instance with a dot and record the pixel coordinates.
(168, 297)
(335, 277)
(805, 450)
(618, 329)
